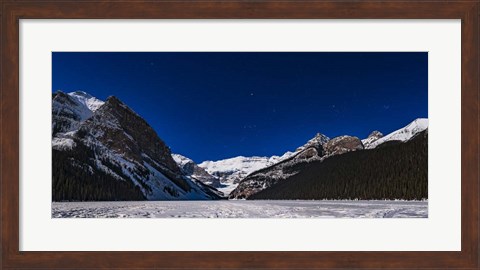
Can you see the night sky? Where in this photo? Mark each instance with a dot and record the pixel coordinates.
(210, 106)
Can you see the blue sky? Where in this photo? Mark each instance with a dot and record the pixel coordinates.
(210, 106)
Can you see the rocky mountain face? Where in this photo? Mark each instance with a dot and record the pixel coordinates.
(375, 135)
(191, 169)
(318, 151)
(392, 171)
(111, 143)
(69, 110)
(106, 151)
(316, 142)
(341, 145)
(232, 170)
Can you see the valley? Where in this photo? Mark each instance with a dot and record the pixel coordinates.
(104, 151)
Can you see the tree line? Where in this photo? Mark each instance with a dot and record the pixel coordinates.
(392, 171)
(75, 177)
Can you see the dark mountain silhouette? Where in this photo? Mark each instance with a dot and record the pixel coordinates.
(395, 170)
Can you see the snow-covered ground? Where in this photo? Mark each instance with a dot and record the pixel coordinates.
(241, 209)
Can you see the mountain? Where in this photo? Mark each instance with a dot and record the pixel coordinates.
(375, 135)
(315, 142)
(317, 150)
(69, 110)
(106, 151)
(341, 145)
(310, 152)
(232, 170)
(191, 169)
(401, 135)
(394, 171)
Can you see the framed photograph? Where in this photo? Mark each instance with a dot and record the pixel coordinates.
(268, 134)
(229, 113)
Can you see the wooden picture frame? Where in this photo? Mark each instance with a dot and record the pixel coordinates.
(12, 11)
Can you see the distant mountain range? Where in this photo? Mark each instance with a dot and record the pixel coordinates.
(253, 174)
(392, 170)
(105, 151)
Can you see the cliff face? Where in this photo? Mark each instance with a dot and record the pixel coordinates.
(318, 150)
(120, 144)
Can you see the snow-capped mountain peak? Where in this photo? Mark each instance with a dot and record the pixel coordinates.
(231, 171)
(191, 169)
(318, 149)
(403, 134)
(240, 166)
(316, 141)
(111, 143)
(181, 160)
(70, 110)
(83, 104)
(89, 101)
(418, 125)
(375, 135)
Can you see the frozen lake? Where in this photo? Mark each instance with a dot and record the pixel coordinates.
(241, 209)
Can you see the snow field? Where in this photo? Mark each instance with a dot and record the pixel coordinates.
(241, 209)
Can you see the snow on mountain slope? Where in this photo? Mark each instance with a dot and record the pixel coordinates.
(80, 103)
(62, 143)
(110, 138)
(375, 135)
(316, 141)
(191, 169)
(181, 160)
(321, 148)
(92, 103)
(238, 167)
(403, 134)
(110, 142)
(70, 110)
(232, 170)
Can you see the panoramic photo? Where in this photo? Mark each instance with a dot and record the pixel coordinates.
(239, 135)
